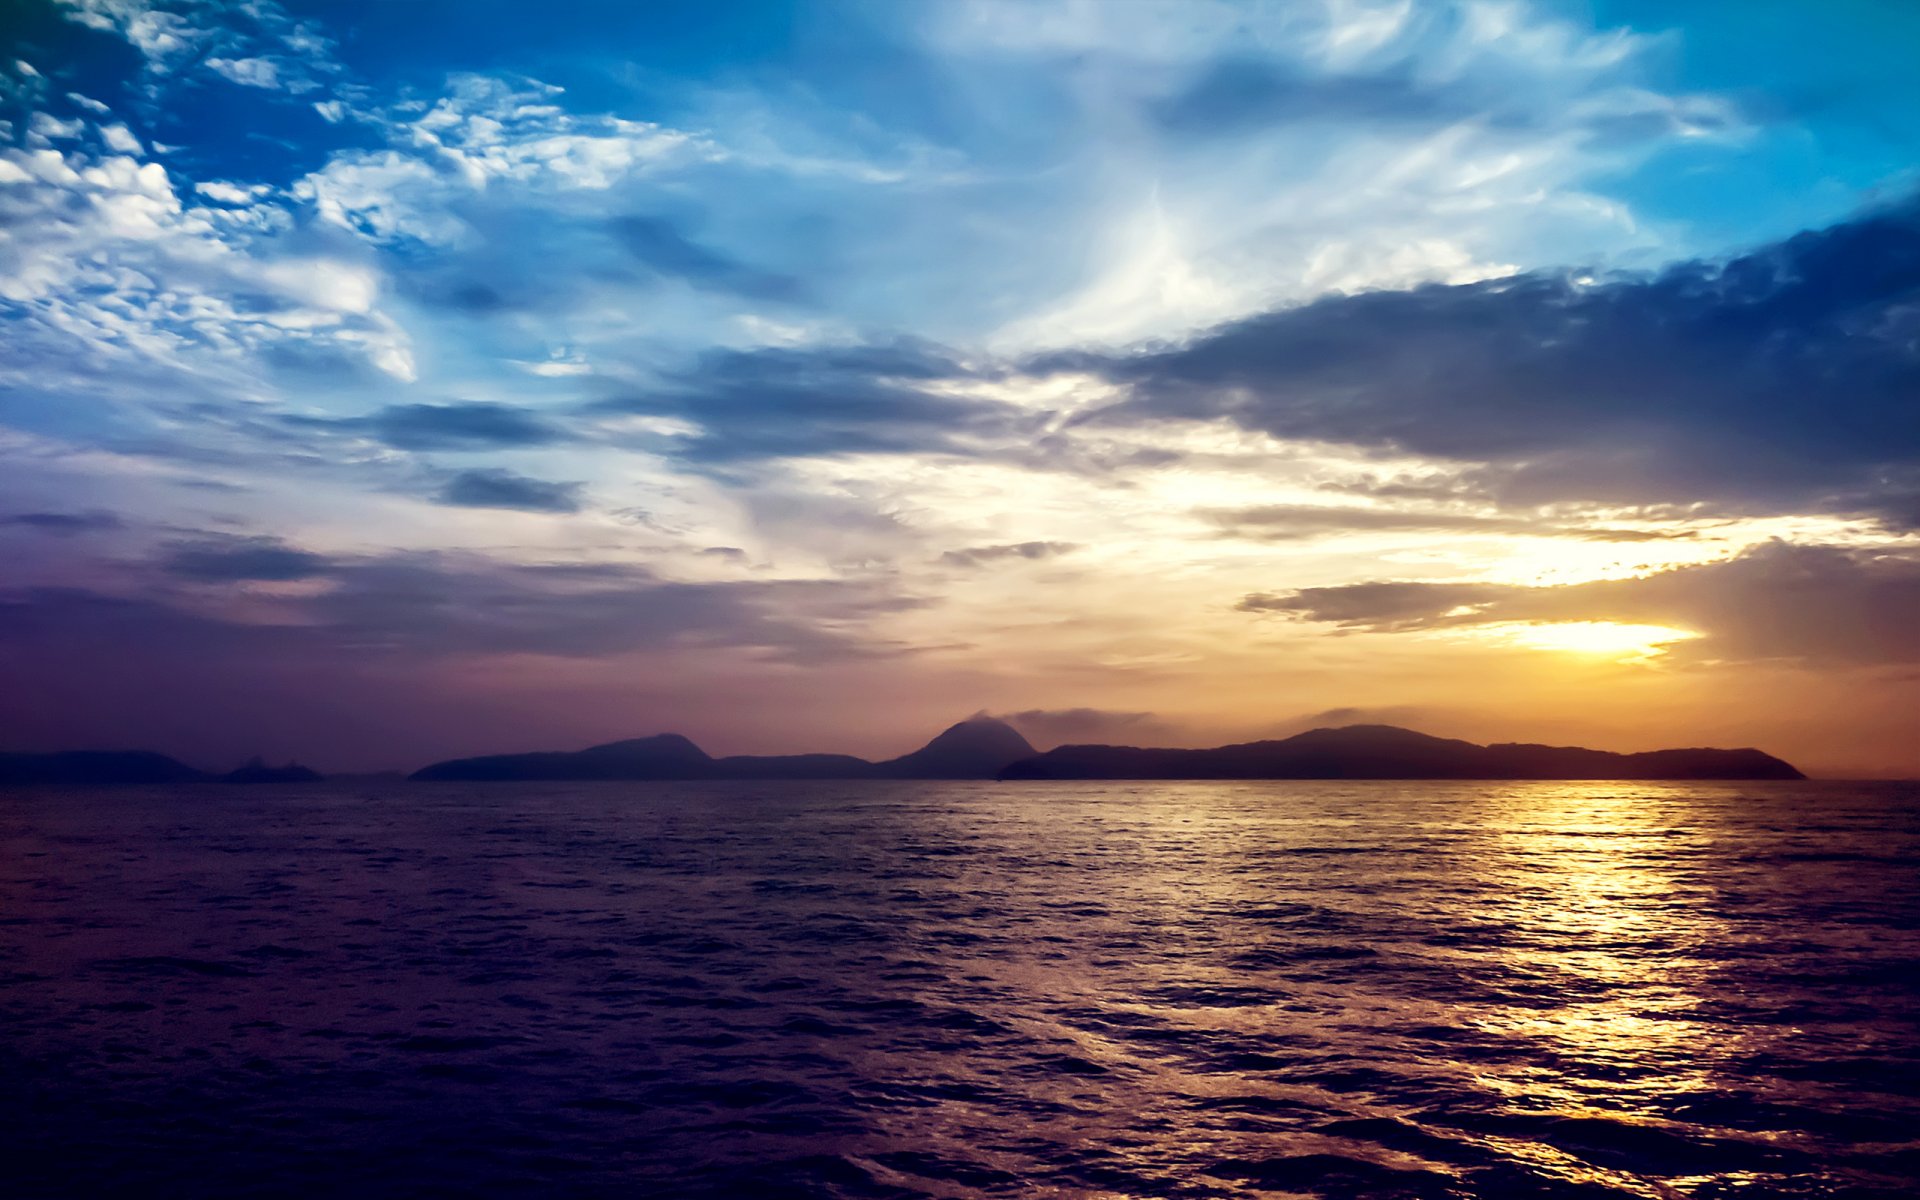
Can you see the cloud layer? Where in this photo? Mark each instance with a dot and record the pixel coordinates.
(1825, 605)
(868, 365)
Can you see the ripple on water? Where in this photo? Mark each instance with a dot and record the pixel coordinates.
(958, 991)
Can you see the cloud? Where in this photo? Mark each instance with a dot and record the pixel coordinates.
(1236, 95)
(1060, 726)
(888, 397)
(63, 524)
(659, 244)
(1350, 714)
(233, 559)
(467, 426)
(412, 606)
(1780, 380)
(977, 556)
(248, 72)
(1808, 603)
(1379, 605)
(442, 604)
(113, 268)
(1301, 522)
(493, 487)
(256, 44)
(482, 131)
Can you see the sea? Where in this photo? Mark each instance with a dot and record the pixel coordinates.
(895, 989)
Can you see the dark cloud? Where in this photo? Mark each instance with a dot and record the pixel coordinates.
(392, 649)
(778, 403)
(63, 524)
(1300, 522)
(474, 426)
(1822, 604)
(661, 247)
(1391, 714)
(509, 267)
(216, 559)
(1231, 95)
(417, 606)
(1063, 725)
(427, 604)
(494, 487)
(977, 556)
(1782, 380)
(1377, 605)
(465, 426)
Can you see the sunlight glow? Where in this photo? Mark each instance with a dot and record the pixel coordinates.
(1607, 639)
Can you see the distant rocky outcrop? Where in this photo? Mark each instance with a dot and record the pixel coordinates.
(1388, 752)
(978, 748)
(257, 771)
(72, 767)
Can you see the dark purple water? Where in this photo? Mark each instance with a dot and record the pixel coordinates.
(880, 990)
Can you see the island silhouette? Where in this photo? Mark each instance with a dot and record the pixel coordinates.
(983, 747)
(977, 748)
(136, 766)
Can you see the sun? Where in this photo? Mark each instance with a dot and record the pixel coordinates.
(1601, 639)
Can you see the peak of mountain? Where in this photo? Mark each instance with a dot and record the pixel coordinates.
(1390, 752)
(257, 771)
(662, 756)
(976, 748)
(661, 747)
(1371, 737)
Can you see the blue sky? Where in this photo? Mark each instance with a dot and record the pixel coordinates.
(465, 371)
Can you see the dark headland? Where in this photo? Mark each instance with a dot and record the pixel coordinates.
(984, 748)
(91, 767)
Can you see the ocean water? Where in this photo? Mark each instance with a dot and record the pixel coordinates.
(962, 990)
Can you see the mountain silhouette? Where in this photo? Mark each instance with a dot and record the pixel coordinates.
(1389, 752)
(663, 756)
(257, 771)
(977, 748)
(985, 748)
(95, 766)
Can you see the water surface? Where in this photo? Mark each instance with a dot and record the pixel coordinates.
(961, 990)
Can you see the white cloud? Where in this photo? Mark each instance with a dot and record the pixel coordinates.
(120, 139)
(248, 72)
(230, 193)
(484, 133)
(50, 128)
(264, 48)
(161, 36)
(1237, 157)
(109, 260)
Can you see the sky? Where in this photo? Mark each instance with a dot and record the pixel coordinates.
(383, 383)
